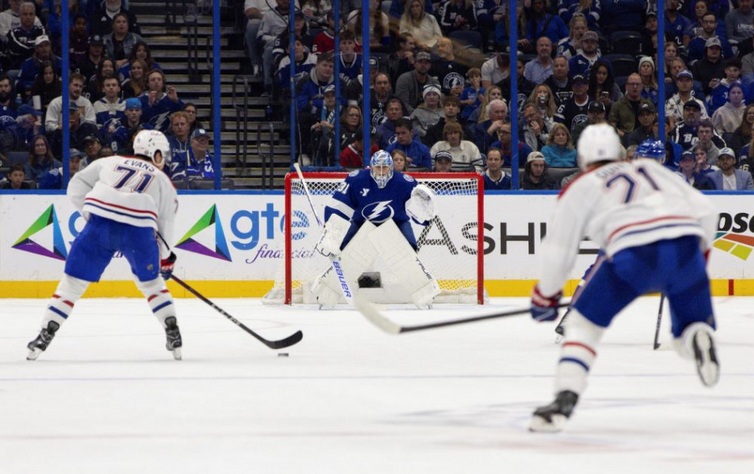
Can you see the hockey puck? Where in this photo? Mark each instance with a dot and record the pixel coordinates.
(282, 354)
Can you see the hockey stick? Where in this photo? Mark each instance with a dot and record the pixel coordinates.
(288, 341)
(656, 344)
(371, 312)
(334, 260)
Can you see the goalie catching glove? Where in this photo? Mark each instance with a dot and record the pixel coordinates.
(332, 236)
(421, 206)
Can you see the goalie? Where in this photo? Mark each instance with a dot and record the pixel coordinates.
(369, 216)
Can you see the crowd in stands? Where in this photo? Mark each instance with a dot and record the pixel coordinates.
(439, 106)
(115, 89)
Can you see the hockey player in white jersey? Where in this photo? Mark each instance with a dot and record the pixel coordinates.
(125, 201)
(370, 215)
(656, 233)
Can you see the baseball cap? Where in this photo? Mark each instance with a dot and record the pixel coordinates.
(133, 103)
(692, 104)
(96, 40)
(27, 109)
(651, 13)
(41, 39)
(726, 151)
(90, 138)
(75, 153)
(685, 73)
(534, 156)
(199, 133)
(328, 89)
(430, 88)
(443, 155)
(687, 154)
(714, 41)
(647, 107)
(423, 56)
(72, 107)
(374, 62)
(590, 35)
(596, 107)
(579, 78)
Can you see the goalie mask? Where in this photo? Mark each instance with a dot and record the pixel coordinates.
(148, 142)
(381, 168)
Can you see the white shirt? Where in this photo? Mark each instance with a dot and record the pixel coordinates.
(55, 112)
(619, 206)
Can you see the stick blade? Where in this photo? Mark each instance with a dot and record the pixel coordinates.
(370, 312)
(287, 342)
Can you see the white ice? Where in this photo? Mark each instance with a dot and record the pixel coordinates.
(108, 398)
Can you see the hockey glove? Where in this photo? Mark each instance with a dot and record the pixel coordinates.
(544, 308)
(166, 266)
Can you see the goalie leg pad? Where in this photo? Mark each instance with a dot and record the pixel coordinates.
(578, 353)
(391, 245)
(356, 257)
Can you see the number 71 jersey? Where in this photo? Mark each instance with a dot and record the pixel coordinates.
(127, 190)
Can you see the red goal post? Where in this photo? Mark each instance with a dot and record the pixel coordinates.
(451, 246)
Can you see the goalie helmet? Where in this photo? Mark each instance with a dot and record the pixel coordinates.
(381, 159)
(148, 142)
(597, 143)
(652, 149)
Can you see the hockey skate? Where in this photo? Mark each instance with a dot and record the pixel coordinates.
(705, 356)
(551, 418)
(174, 341)
(39, 345)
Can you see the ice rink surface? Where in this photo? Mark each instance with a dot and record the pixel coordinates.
(107, 397)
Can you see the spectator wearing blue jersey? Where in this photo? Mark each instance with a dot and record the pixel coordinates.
(495, 178)
(350, 62)
(473, 94)
(386, 130)
(53, 179)
(541, 23)
(111, 105)
(41, 159)
(688, 170)
(457, 15)
(582, 63)
(675, 23)
(505, 144)
(121, 138)
(32, 66)
(590, 9)
(708, 29)
(159, 101)
(304, 64)
(570, 46)
(417, 153)
(198, 161)
(179, 142)
(718, 96)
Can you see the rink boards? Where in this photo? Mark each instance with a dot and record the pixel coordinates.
(230, 244)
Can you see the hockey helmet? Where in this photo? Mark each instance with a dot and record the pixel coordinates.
(381, 159)
(149, 142)
(652, 149)
(598, 142)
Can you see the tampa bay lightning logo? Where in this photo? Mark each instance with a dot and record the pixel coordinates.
(378, 212)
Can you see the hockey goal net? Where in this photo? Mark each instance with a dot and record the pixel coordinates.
(448, 246)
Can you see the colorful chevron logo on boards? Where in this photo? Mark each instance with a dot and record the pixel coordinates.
(737, 245)
(200, 238)
(48, 240)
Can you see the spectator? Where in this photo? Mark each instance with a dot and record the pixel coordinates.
(411, 84)
(420, 25)
(728, 118)
(140, 51)
(473, 94)
(197, 162)
(540, 23)
(179, 142)
(31, 67)
(708, 30)
(121, 138)
(671, 55)
(136, 82)
(719, 94)
(106, 151)
(350, 62)
(417, 153)
(379, 97)
(496, 69)
(399, 161)
(10, 18)
(687, 170)
(573, 110)
(675, 22)
(305, 62)
(324, 41)
(429, 112)
(191, 113)
(7, 104)
(543, 98)
(708, 141)
(646, 128)
(486, 132)
(534, 177)
(386, 130)
(21, 40)
(540, 68)
(448, 72)
(28, 125)
(254, 10)
(589, 9)
(596, 113)
(78, 39)
(355, 89)
(274, 22)
(571, 46)
(397, 8)
(534, 129)
(110, 110)
(442, 162)
(402, 59)
(495, 178)
(458, 15)
(322, 131)
(92, 147)
(560, 81)
(480, 114)
(16, 177)
(739, 23)
(41, 159)
(727, 178)
(315, 11)
(310, 98)
(466, 156)
(650, 88)
(602, 86)
(582, 62)
(96, 54)
(104, 17)
(742, 135)
(746, 155)
(379, 27)
(159, 101)
(352, 156)
(505, 144)
(622, 115)
(559, 151)
(524, 86)
(451, 108)
(710, 69)
(54, 117)
(684, 132)
(674, 107)
(121, 42)
(94, 90)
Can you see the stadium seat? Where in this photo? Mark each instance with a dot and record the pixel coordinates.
(226, 183)
(621, 81)
(623, 64)
(626, 42)
(556, 175)
(467, 39)
(16, 157)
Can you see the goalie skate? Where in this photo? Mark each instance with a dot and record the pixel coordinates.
(552, 418)
(706, 358)
(39, 345)
(174, 340)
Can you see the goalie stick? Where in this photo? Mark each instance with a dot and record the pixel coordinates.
(334, 260)
(280, 344)
(370, 311)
